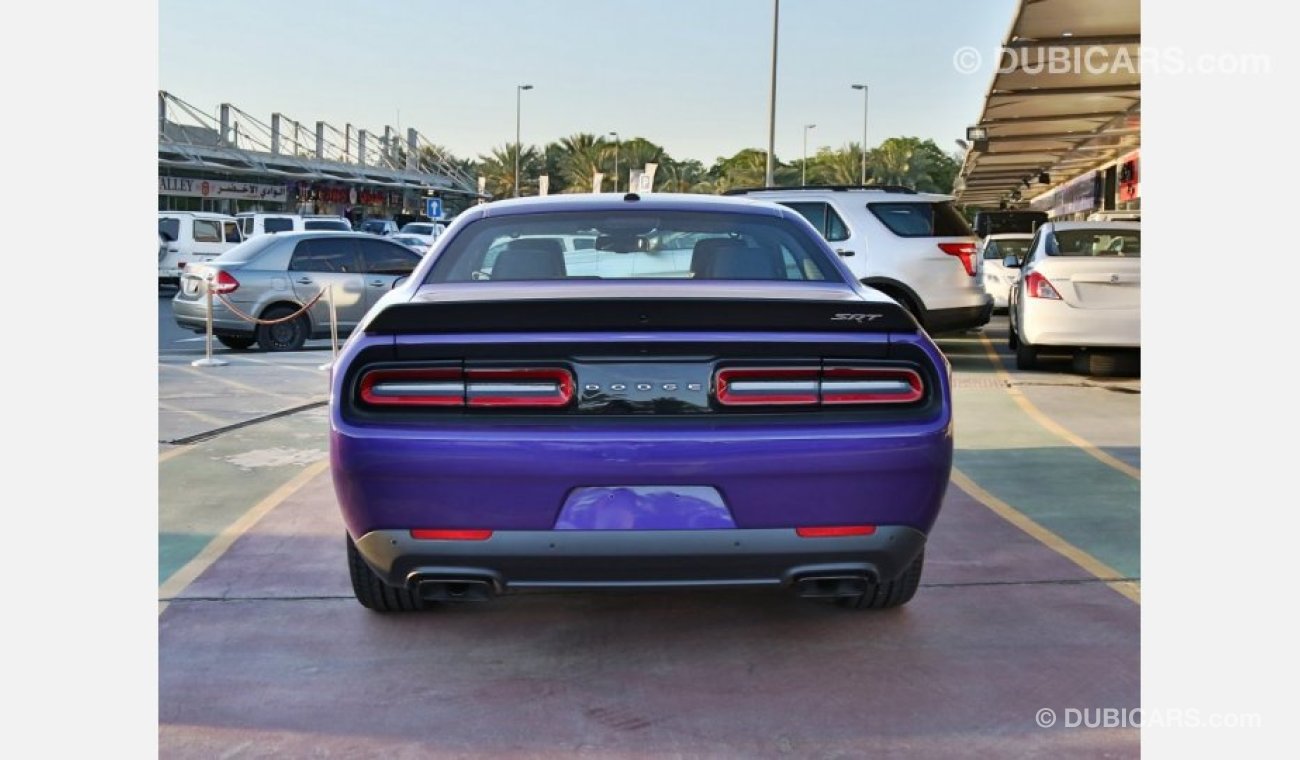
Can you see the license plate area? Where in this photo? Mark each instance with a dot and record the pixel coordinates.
(644, 508)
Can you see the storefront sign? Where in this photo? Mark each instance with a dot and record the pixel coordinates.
(214, 188)
(1129, 187)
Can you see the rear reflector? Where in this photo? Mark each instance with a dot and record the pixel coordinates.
(831, 531)
(963, 251)
(451, 535)
(809, 386)
(478, 387)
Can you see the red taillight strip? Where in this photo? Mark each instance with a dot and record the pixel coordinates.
(414, 387)
(529, 386)
(963, 251)
(870, 385)
(753, 386)
(833, 531)
(430, 534)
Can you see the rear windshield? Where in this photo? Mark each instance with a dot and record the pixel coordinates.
(246, 250)
(170, 226)
(277, 224)
(327, 224)
(418, 229)
(921, 219)
(633, 245)
(1095, 242)
(997, 250)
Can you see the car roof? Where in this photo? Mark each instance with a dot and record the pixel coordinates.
(300, 234)
(878, 193)
(1096, 225)
(1010, 236)
(625, 202)
(198, 214)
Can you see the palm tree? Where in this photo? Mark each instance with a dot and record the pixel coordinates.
(836, 167)
(581, 156)
(499, 170)
(680, 176)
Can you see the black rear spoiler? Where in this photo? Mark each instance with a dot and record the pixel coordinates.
(590, 314)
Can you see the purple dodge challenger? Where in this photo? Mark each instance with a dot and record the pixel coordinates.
(613, 391)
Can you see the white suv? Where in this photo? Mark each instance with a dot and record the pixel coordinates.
(261, 223)
(192, 237)
(914, 247)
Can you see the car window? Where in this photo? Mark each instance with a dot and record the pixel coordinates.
(921, 218)
(584, 243)
(206, 231)
(997, 250)
(379, 257)
(327, 224)
(324, 254)
(170, 226)
(633, 244)
(823, 217)
(232, 232)
(1095, 242)
(277, 224)
(418, 229)
(246, 225)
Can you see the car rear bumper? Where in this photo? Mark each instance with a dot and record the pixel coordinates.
(192, 315)
(1055, 323)
(961, 318)
(513, 560)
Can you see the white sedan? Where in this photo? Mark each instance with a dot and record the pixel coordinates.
(998, 278)
(1079, 289)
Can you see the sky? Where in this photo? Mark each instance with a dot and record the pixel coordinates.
(691, 75)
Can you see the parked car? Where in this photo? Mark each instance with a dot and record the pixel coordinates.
(192, 237)
(416, 243)
(1005, 221)
(260, 223)
(914, 247)
(998, 279)
(753, 417)
(273, 276)
(427, 230)
(379, 227)
(1079, 290)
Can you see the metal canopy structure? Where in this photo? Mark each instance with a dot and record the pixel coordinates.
(1065, 99)
(239, 143)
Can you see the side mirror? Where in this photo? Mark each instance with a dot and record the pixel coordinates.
(1011, 262)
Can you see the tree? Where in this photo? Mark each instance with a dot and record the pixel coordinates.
(842, 166)
(748, 168)
(499, 170)
(681, 176)
(580, 156)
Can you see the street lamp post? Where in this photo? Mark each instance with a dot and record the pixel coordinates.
(803, 170)
(519, 89)
(769, 177)
(863, 87)
(618, 146)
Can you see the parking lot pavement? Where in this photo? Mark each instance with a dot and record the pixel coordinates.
(1028, 601)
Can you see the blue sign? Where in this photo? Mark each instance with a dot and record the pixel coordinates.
(433, 208)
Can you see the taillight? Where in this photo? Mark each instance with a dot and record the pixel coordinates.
(426, 534)
(225, 283)
(809, 386)
(524, 387)
(414, 387)
(963, 251)
(546, 386)
(1037, 286)
(754, 386)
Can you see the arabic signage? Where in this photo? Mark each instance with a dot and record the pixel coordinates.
(212, 188)
(346, 195)
(1082, 194)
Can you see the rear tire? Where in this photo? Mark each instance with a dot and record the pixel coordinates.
(896, 593)
(371, 591)
(1026, 355)
(237, 342)
(285, 336)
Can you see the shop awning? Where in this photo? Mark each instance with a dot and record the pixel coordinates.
(1065, 99)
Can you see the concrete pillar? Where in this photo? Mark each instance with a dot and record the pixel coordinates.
(275, 135)
(390, 147)
(225, 124)
(412, 158)
(320, 140)
(361, 146)
(347, 144)
(162, 113)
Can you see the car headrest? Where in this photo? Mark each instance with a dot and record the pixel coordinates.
(703, 252)
(530, 260)
(742, 263)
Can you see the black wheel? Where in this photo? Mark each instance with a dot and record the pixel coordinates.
(282, 336)
(237, 342)
(1013, 340)
(373, 593)
(905, 302)
(1026, 355)
(896, 593)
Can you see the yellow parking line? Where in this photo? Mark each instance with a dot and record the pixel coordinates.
(1050, 424)
(1130, 590)
(172, 453)
(197, 415)
(226, 380)
(218, 546)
